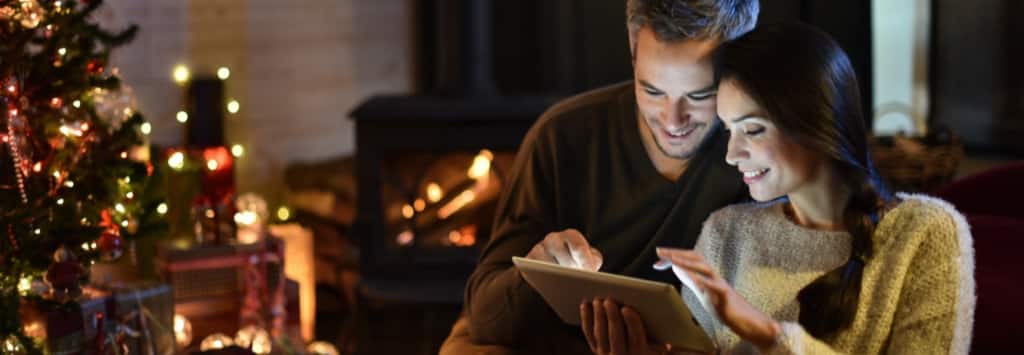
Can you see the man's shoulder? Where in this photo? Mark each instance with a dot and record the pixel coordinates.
(582, 108)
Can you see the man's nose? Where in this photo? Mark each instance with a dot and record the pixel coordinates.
(677, 114)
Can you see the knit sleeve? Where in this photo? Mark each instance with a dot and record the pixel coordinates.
(936, 304)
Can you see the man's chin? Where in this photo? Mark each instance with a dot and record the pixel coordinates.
(679, 153)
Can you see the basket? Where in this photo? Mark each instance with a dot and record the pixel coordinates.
(917, 164)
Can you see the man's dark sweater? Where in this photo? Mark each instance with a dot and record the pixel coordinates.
(583, 166)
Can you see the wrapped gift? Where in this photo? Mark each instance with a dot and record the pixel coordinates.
(60, 327)
(142, 317)
(75, 327)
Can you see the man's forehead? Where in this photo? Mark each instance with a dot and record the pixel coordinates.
(688, 49)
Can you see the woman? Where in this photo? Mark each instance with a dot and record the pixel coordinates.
(826, 261)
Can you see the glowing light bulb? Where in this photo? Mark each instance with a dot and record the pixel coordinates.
(223, 73)
(233, 106)
(161, 208)
(283, 213)
(176, 161)
(407, 211)
(119, 208)
(212, 164)
(146, 128)
(237, 150)
(182, 116)
(181, 74)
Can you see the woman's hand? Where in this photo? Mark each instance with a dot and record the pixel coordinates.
(611, 329)
(739, 315)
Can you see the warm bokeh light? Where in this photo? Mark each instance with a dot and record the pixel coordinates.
(181, 74)
(223, 73)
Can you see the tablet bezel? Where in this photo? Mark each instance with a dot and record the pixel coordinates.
(666, 316)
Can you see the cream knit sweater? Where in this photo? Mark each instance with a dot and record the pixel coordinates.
(917, 293)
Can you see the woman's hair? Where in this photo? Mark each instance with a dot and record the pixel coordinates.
(805, 84)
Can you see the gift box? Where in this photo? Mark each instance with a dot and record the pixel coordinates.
(213, 284)
(60, 327)
(143, 316)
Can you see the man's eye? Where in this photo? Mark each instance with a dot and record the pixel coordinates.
(704, 96)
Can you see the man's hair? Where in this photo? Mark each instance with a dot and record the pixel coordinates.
(677, 20)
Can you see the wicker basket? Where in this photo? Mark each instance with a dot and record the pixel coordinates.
(917, 164)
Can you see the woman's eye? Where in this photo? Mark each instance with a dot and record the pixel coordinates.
(652, 92)
(754, 131)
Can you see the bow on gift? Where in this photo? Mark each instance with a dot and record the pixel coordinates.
(117, 340)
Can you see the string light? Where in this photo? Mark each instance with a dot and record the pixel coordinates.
(130, 195)
(124, 155)
(124, 223)
(60, 201)
(212, 164)
(176, 161)
(127, 179)
(38, 231)
(283, 213)
(119, 208)
(161, 208)
(419, 204)
(182, 116)
(24, 284)
(76, 103)
(69, 184)
(233, 106)
(223, 73)
(237, 150)
(62, 51)
(407, 211)
(146, 128)
(181, 74)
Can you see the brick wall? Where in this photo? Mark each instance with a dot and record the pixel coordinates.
(297, 68)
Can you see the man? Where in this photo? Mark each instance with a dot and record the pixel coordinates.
(605, 177)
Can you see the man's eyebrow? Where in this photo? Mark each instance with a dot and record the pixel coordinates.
(648, 85)
(706, 90)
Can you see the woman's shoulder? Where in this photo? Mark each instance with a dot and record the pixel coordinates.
(928, 218)
(923, 211)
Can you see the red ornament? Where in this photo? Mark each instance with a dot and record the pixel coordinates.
(111, 243)
(94, 66)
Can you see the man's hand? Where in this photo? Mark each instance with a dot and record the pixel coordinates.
(567, 248)
(611, 329)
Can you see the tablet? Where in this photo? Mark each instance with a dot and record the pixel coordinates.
(666, 317)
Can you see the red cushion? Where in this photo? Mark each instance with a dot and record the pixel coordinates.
(998, 242)
(994, 192)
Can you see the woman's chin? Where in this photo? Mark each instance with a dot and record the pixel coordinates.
(761, 196)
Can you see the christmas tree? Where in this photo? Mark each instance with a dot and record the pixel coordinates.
(74, 162)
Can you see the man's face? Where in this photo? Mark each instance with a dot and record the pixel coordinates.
(675, 92)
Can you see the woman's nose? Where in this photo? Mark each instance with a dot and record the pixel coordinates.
(736, 151)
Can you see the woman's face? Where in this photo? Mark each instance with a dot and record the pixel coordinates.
(772, 164)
